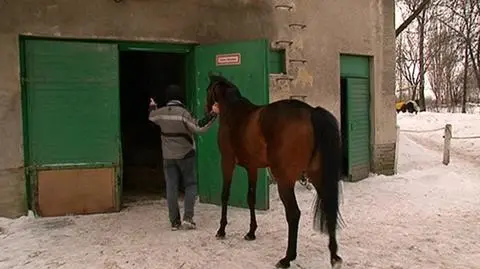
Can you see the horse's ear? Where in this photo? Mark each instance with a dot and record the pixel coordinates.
(215, 76)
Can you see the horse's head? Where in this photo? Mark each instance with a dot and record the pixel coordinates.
(220, 90)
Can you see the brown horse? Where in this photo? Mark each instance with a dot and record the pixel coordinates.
(291, 138)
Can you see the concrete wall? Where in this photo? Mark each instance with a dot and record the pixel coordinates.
(362, 27)
(332, 27)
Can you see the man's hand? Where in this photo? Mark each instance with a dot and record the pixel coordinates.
(152, 105)
(215, 108)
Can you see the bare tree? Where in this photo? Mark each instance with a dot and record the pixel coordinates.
(415, 13)
(408, 63)
(442, 45)
(422, 20)
(462, 17)
(445, 68)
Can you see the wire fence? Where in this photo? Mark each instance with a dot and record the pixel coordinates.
(423, 131)
(466, 137)
(447, 137)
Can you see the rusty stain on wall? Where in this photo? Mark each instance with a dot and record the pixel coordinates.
(297, 43)
(304, 77)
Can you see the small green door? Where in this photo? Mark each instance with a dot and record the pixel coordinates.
(246, 65)
(355, 74)
(358, 133)
(72, 105)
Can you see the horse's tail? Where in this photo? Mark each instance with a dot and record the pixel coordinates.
(328, 144)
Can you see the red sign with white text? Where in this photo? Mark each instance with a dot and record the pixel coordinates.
(228, 59)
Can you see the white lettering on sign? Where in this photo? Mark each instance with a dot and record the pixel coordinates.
(228, 59)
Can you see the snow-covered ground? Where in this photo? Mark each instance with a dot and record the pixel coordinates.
(425, 217)
(463, 125)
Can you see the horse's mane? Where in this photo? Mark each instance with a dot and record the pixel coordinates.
(222, 79)
(232, 92)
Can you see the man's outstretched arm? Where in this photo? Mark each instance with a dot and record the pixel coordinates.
(199, 126)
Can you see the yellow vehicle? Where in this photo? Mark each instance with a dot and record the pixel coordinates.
(400, 106)
(410, 106)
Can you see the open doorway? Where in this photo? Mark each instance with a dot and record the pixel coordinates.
(143, 75)
(344, 125)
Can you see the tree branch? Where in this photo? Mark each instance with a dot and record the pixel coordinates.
(414, 15)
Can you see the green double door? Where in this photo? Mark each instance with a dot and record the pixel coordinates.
(72, 108)
(246, 65)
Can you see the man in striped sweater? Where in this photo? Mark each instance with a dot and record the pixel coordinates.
(178, 146)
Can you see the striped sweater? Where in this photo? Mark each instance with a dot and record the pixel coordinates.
(178, 127)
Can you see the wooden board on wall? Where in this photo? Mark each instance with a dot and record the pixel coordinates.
(76, 191)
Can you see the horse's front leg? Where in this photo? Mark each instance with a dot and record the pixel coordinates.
(251, 197)
(228, 165)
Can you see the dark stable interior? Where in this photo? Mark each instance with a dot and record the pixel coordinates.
(344, 125)
(144, 75)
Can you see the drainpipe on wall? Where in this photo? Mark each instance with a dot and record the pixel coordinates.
(397, 146)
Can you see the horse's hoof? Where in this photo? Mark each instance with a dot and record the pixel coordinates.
(283, 263)
(337, 263)
(250, 237)
(220, 235)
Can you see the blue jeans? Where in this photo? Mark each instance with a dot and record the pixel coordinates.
(174, 171)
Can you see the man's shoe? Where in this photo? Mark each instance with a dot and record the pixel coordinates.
(189, 225)
(175, 226)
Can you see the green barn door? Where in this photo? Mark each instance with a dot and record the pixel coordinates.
(355, 71)
(72, 126)
(246, 65)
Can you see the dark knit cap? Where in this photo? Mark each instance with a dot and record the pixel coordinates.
(173, 92)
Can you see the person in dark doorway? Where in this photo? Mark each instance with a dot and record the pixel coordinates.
(178, 127)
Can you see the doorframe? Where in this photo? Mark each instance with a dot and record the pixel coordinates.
(171, 48)
(355, 73)
(28, 198)
(185, 49)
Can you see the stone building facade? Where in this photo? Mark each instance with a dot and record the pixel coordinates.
(313, 34)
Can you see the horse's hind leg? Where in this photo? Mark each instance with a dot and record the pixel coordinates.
(251, 197)
(227, 169)
(292, 212)
(315, 178)
(335, 260)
